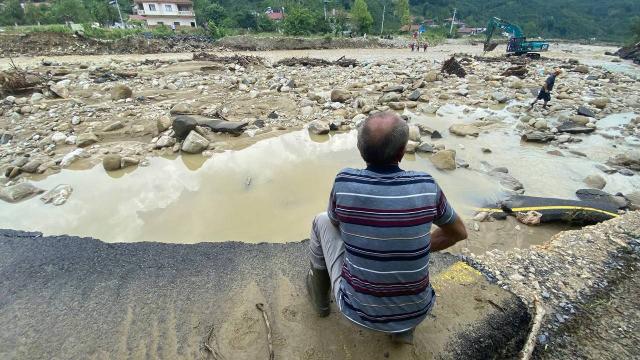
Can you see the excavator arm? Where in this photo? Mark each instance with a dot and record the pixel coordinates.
(496, 23)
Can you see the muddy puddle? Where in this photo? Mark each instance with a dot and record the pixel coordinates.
(270, 191)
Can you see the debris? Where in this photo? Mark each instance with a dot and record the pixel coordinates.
(16, 80)
(453, 67)
(535, 328)
(210, 344)
(529, 218)
(518, 71)
(313, 62)
(260, 307)
(243, 60)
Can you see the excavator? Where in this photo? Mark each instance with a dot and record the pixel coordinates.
(518, 44)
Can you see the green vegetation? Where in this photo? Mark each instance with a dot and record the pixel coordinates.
(635, 29)
(361, 17)
(570, 19)
(403, 11)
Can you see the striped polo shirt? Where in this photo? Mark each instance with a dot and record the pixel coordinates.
(385, 216)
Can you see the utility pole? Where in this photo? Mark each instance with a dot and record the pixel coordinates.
(324, 2)
(115, 2)
(384, 7)
(452, 20)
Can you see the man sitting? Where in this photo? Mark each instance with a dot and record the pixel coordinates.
(372, 245)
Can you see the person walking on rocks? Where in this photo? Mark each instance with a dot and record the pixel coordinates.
(545, 91)
(370, 249)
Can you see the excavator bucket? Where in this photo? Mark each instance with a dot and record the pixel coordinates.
(490, 46)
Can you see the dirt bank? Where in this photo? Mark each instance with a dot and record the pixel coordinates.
(52, 44)
(72, 298)
(571, 275)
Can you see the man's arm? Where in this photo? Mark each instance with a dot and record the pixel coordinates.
(447, 235)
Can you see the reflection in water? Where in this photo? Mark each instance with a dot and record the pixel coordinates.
(271, 190)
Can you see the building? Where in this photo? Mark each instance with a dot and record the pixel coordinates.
(165, 12)
(275, 14)
(470, 30)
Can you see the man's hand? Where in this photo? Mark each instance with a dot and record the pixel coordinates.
(447, 235)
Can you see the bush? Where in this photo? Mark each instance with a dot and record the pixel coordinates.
(161, 31)
(215, 32)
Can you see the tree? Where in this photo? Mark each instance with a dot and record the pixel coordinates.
(12, 13)
(70, 10)
(403, 12)
(299, 21)
(635, 29)
(361, 17)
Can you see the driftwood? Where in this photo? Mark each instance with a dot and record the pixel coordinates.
(243, 60)
(210, 345)
(453, 67)
(260, 307)
(313, 62)
(16, 80)
(535, 328)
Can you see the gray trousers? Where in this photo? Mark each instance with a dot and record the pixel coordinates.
(327, 249)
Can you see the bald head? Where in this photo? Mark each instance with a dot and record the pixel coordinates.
(382, 138)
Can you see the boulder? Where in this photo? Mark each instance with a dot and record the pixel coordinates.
(112, 162)
(393, 88)
(585, 111)
(595, 182)
(600, 103)
(19, 192)
(411, 147)
(500, 97)
(58, 137)
(444, 159)
(58, 195)
(414, 133)
(537, 136)
(629, 160)
(579, 119)
(541, 124)
(572, 128)
(31, 167)
(165, 141)
(425, 148)
(464, 130)
(181, 108)
(195, 143)
(507, 180)
(634, 200)
(163, 123)
(432, 76)
(396, 105)
(60, 89)
(120, 91)
(340, 95)
(86, 139)
(116, 125)
(389, 97)
(583, 69)
(415, 95)
(71, 157)
(183, 125)
(319, 127)
(223, 126)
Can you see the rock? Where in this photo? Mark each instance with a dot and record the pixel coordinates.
(432, 76)
(507, 181)
(393, 88)
(629, 160)
(340, 95)
(541, 124)
(579, 119)
(396, 105)
(606, 169)
(112, 162)
(181, 108)
(129, 161)
(58, 137)
(319, 127)
(36, 97)
(183, 125)
(119, 92)
(486, 150)
(71, 140)
(572, 128)
(389, 97)
(436, 135)
(585, 111)
(12, 171)
(60, 89)
(481, 216)
(163, 123)
(19, 192)
(86, 139)
(116, 125)
(415, 95)
(223, 126)
(58, 195)
(464, 130)
(75, 120)
(69, 158)
(583, 69)
(425, 148)
(634, 200)
(195, 143)
(600, 103)
(595, 181)
(411, 147)
(165, 141)
(31, 167)
(358, 119)
(500, 97)
(5, 138)
(537, 136)
(444, 159)
(414, 133)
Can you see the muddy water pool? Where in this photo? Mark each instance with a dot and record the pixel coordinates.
(271, 190)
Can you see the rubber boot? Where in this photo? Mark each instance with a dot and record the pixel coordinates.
(319, 287)
(405, 337)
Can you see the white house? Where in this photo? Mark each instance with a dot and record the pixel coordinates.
(166, 12)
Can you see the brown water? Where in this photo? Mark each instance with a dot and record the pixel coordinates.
(271, 190)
